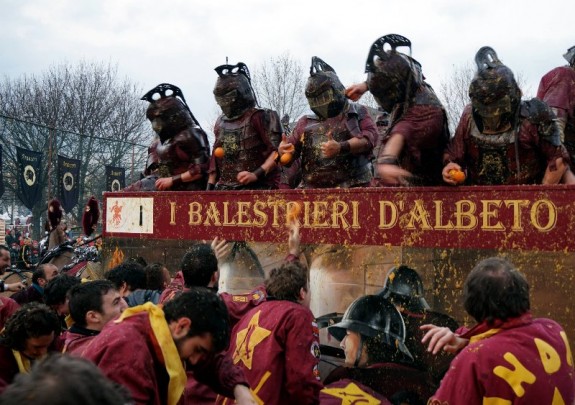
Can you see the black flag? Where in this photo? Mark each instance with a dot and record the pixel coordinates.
(1, 174)
(68, 177)
(115, 178)
(29, 171)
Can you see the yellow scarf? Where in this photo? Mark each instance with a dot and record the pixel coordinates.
(172, 362)
(484, 335)
(24, 364)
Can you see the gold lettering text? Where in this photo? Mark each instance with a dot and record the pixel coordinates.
(384, 221)
(419, 214)
(515, 377)
(551, 212)
(464, 215)
(172, 213)
(490, 211)
(195, 213)
(549, 356)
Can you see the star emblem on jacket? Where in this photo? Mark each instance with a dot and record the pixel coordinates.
(247, 339)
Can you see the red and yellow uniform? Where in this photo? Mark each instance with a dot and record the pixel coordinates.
(519, 361)
(349, 392)
(276, 345)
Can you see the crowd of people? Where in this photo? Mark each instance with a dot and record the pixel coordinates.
(142, 336)
(146, 338)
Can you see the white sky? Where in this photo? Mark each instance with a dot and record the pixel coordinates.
(182, 41)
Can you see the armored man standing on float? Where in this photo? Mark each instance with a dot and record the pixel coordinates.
(336, 143)
(179, 161)
(247, 136)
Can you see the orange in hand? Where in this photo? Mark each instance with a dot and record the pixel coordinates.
(219, 152)
(286, 158)
(457, 175)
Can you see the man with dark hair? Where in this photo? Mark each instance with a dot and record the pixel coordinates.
(127, 277)
(27, 337)
(372, 334)
(508, 357)
(55, 293)
(276, 343)
(143, 349)
(157, 277)
(92, 306)
(200, 266)
(64, 380)
(40, 277)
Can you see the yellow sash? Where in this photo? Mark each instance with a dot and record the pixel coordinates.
(24, 364)
(484, 335)
(172, 362)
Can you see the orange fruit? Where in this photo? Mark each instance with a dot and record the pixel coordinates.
(457, 175)
(219, 152)
(293, 212)
(286, 158)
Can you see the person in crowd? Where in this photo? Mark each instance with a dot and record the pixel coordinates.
(508, 356)
(411, 150)
(64, 380)
(276, 343)
(180, 158)
(40, 278)
(92, 305)
(247, 137)
(501, 139)
(372, 335)
(27, 337)
(557, 89)
(6, 264)
(56, 296)
(335, 144)
(24, 261)
(128, 277)
(143, 349)
(404, 289)
(157, 279)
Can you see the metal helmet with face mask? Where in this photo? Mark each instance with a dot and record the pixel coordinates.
(373, 316)
(168, 111)
(324, 91)
(495, 95)
(404, 287)
(570, 56)
(392, 77)
(233, 91)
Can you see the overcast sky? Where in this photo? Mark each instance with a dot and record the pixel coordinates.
(181, 41)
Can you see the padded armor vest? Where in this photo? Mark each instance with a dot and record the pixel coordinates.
(346, 170)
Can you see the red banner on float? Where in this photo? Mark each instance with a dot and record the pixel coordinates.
(502, 217)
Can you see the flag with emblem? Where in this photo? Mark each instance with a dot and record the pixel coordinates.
(115, 178)
(29, 175)
(68, 186)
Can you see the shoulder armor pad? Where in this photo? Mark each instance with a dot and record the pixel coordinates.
(540, 114)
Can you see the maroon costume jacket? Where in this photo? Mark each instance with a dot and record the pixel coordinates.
(489, 163)
(276, 344)
(519, 361)
(7, 307)
(247, 142)
(557, 88)
(76, 339)
(30, 294)
(342, 170)
(127, 353)
(423, 125)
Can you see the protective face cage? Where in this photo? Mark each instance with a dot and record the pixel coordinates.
(166, 90)
(324, 91)
(404, 287)
(495, 95)
(570, 56)
(233, 91)
(393, 77)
